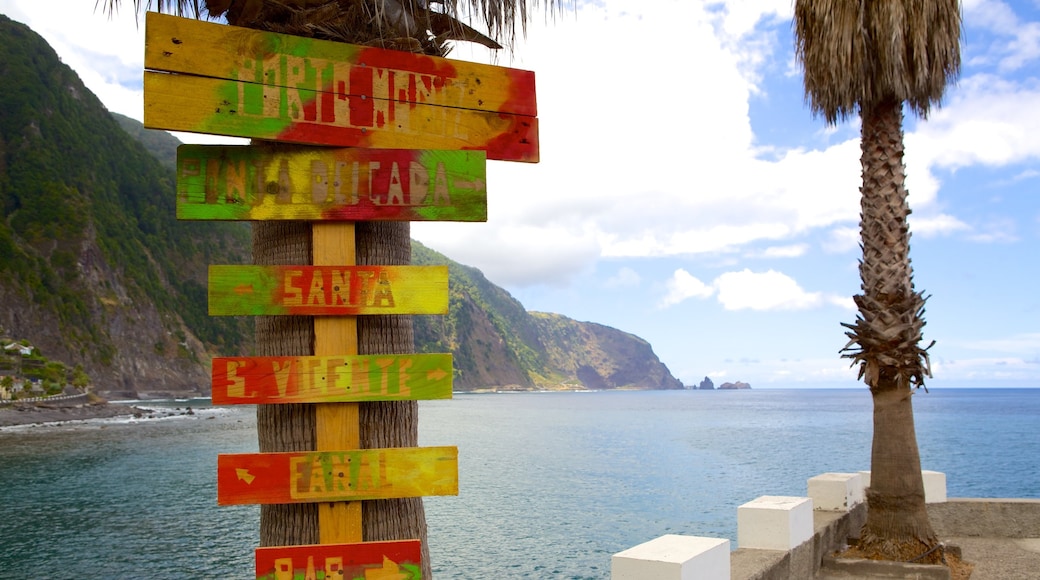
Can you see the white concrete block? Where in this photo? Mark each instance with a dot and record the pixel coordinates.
(836, 491)
(934, 485)
(774, 522)
(673, 557)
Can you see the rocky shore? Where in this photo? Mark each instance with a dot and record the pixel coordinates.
(38, 413)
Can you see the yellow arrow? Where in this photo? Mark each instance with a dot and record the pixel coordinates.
(436, 374)
(244, 475)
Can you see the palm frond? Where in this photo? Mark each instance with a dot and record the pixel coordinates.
(417, 25)
(862, 53)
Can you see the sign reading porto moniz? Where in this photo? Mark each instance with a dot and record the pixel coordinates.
(319, 183)
(247, 83)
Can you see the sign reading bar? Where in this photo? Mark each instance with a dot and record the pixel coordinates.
(392, 560)
(283, 66)
(327, 476)
(327, 290)
(217, 182)
(331, 379)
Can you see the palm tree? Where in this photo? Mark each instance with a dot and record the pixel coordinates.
(421, 26)
(871, 57)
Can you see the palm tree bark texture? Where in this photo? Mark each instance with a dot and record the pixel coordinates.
(888, 332)
(871, 58)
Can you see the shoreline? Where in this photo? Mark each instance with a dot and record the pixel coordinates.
(22, 414)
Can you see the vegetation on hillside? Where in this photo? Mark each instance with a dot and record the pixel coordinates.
(80, 198)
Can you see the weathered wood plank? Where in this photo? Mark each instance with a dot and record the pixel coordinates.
(331, 379)
(206, 105)
(318, 183)
(396, 560)
(336, 425)
(184, 45)
(323, 476)
(327, 290)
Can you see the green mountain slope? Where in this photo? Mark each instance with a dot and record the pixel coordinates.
(497, 343)
(94, 268)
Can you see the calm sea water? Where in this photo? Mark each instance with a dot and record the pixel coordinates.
(551, 484)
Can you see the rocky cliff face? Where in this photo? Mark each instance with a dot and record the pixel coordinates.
(95, 270)
(601, 357)
(498, 344)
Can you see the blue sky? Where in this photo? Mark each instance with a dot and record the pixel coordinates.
(687, 195)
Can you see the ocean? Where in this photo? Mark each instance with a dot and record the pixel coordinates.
(551, 484)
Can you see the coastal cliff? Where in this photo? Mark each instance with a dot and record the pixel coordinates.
(96, 271)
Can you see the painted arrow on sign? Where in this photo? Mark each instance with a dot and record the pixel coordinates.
(393, 560)
(318, 184)
(327, 290)
(331, 379)
(328, 476)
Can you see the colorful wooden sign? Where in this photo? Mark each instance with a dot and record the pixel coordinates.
(317, 183)
(331, 379)
(394, 560)
(195, 47)
(327, 290)
(328, 476)
(247, 83)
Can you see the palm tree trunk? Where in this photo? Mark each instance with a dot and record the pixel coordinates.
(888, 333)
(896, 509)
(292, 427)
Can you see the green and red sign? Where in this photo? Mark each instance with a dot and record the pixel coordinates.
(327, 290)
(328, 476)
(320, 184)
(246, 83)
(331, 379)
(395, 560)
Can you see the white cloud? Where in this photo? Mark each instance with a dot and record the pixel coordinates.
(790, 251)
(625, 278)
(747, 290)
(841, 240)
(935, 225)
(771, 290)
(1027, 343)
(988, 121)
(682, 286)
(659, 165)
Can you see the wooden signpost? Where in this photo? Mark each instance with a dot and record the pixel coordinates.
(316, 183)
(247, 83)
(328, 476)
(369, 561)
(331, 379)
(427, 126)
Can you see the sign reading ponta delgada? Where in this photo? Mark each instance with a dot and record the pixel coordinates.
(319, 183)
(328, 476)
(394, 560)
(331, 379)
(327, 290)
(240, 82)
